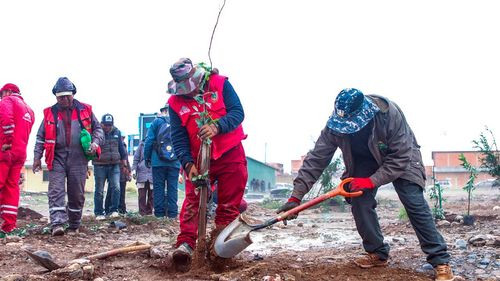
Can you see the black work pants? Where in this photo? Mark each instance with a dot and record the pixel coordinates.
(419, 214)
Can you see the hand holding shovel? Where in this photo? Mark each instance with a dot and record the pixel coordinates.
(236, 236)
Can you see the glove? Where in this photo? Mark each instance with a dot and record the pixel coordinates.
(292, 203)
(360, 183)
(147, 163)
(208, 131)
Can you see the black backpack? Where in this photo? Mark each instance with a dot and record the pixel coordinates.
(163, 144)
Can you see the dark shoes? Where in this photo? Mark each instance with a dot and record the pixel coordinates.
(58, 231)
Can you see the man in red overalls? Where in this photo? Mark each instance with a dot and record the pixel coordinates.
(228, 166)
(16, 121)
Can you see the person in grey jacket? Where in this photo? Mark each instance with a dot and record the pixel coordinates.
(67, 162)
(144, 181)
(378, 147)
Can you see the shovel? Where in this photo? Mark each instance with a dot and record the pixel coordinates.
(236, 236)
(44, 259)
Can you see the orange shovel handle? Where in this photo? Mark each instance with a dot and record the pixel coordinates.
(338, 191)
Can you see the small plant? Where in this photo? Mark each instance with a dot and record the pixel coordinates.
(328, 183)
(491, 156)
(469, 186)
(402, 216)
(271, 204)
(436, 194)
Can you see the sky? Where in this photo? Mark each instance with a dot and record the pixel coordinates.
(287, 60)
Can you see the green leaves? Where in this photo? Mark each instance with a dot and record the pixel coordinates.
(436, 194)
(469, 186)
(200, 177)
(199, 99)
(490, 159)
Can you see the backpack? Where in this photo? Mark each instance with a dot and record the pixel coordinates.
(163, 144)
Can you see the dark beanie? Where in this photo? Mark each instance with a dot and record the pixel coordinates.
(64, 85)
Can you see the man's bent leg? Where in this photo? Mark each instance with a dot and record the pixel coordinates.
(365, 216)
(419, 213)
(188, 217)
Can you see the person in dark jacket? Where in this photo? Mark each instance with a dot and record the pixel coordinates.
(144, 181)
(166, 167)
(107, 168)
(125, 176)
(378, 147)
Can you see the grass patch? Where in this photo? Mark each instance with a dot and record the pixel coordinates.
(271, 204)
(402, 216)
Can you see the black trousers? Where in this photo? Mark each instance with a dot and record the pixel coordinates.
(419, 213)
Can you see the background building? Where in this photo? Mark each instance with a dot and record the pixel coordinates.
(261, 176)
(448, 170)
(296, 164)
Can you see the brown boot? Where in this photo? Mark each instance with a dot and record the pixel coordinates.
(370, 260)
(444, 273)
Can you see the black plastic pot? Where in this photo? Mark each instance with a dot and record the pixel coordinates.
(469, 220)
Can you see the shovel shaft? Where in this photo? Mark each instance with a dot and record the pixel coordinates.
(119, 251)
(338, 191)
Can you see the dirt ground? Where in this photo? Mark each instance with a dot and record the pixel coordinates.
(319, 245)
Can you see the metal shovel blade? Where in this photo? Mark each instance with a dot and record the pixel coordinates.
(43, 258)
(234, 238)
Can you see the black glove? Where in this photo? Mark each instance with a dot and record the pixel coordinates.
(288, 206)
(147, 163)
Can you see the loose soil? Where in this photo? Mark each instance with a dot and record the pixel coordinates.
(316, 246)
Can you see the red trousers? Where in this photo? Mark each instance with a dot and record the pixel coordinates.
(10, 171)
(230, 172)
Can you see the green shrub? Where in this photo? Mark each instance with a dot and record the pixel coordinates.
(402, 216)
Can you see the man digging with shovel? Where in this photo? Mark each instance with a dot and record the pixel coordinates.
(197, 94)
(378, 147)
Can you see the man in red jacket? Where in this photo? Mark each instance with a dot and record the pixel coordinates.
(16, 121)
(228, 166)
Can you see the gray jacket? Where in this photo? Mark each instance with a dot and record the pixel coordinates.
(392, 144)
(143, 173)
(74, 152)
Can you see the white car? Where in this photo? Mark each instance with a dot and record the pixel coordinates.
(255, 197)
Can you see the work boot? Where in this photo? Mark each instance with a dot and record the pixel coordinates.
(444, 273)
(370, 260)
(182, 257)
(58, 231)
